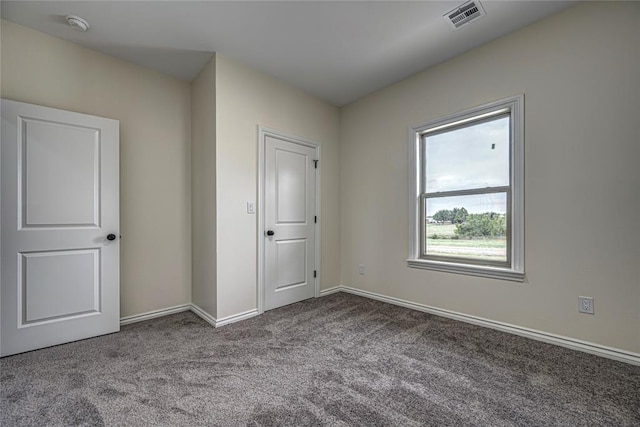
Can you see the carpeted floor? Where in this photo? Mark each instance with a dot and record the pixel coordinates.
(337, 360)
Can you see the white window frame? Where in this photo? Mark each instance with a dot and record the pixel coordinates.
(514, 106)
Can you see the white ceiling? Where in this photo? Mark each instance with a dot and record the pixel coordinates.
(336, 50)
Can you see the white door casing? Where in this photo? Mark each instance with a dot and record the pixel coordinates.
(288, 264)
(60, 200)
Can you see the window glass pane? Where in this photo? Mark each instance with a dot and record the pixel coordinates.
(476, 156)
(472, 227)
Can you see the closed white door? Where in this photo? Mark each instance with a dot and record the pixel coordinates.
(60, 224)
(289, 222)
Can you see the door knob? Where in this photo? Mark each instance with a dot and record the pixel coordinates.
(270, 232)
(111, 236)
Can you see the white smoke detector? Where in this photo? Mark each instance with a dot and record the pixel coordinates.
(77, 23)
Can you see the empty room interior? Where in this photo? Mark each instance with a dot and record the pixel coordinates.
(320, 213)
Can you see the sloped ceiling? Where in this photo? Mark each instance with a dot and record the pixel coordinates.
(336, 50)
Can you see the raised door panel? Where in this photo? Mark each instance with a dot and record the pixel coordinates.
(58, 285)
(60, 175)
(291, 187)
(291, 263)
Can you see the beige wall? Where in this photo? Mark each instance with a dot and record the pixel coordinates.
(246, 98)
(154, 114)
(203, 188)
(577, 69)
(579, 73)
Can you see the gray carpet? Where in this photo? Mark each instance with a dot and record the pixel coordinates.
(337, 360)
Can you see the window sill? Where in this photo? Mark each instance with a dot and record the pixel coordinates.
(467, 269)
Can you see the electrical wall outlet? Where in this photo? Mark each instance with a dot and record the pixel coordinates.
(361, 269)
(586, 305)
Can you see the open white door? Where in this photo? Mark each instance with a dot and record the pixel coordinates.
(60, 266)
(289, 220)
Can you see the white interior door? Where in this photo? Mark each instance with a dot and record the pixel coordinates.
(60, 265)
(289, 222)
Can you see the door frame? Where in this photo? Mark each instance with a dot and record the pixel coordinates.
(263, 133)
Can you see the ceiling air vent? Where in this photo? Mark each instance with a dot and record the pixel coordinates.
(462, 15)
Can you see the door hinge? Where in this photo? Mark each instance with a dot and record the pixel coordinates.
(315, 163)
(314, 273)
(315, 219)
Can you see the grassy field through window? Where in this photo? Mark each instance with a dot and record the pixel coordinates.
(442, 241)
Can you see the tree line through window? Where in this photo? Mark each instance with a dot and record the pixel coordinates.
(456, 232)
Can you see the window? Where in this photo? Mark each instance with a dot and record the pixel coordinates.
(467, 192)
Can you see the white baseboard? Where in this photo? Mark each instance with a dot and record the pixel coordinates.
(572, 343)
(330, 291)
(236, 317)
(153, 314)
(203, 315)
(224, 320)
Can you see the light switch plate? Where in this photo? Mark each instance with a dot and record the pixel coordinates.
(251, 207)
